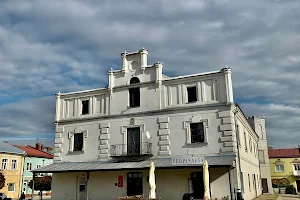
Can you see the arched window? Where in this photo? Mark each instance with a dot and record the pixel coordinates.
(134, 93)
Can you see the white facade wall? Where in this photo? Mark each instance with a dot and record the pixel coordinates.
(170, 184)
(165, 114)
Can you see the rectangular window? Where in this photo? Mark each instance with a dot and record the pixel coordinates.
(250, 143)
(78, 142)
(297, 167)
(197, 132)
(261, 157)
(13, 164)
(279, 168)
(4, 164)
(11, 187)
(246, 145)
(249, 182)
(85, 107)
(29, 166)
(38, 166)
(192, 94)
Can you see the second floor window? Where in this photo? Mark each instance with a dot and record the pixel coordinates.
(13, 164)
(279, 168)
(134, 93)
(78, 142)
(29, 166)
(38, 166)
(197, 132)
(4, 164)
(85, 107)
(297, 167)
(192, 94)
(246, 145)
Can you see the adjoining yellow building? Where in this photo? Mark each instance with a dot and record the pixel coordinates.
(285, 163)
(12, 161)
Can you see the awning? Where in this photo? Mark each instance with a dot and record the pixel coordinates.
(110, 165)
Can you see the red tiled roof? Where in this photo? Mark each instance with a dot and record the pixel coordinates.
(284, 153)
(33, 152)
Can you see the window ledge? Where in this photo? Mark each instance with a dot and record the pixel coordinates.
(198, 144)
(75, 152)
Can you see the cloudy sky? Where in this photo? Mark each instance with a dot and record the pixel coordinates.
(51, 46)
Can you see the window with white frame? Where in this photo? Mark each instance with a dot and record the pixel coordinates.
(279, 168)
(196, 130)
(11, 187)
(249, 181)
(29, 166)
(297, 167)
(4, 164)
(38, 166)
(85, 107)
(13, 164)
(192, 94)
(246, 145)
(250, 143)
(77, 140)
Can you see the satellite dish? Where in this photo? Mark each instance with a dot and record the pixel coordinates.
(148, 135)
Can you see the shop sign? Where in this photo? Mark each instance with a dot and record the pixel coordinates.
(188, 161)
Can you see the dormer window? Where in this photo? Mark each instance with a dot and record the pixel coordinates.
(134, 93)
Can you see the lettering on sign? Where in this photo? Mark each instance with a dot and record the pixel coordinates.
(188, 161)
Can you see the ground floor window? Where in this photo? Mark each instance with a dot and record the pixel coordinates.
(134, 183)
(11, 187)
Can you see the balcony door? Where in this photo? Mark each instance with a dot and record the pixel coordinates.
(133, 141)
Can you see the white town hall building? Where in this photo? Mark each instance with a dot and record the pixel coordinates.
(106, 138)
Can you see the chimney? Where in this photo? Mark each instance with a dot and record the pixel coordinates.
(6, 142)
(42, 147)
(49, 149)
(38, 146)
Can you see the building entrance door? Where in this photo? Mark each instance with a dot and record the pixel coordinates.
(298, 185)
(264, 183)
(133, 141)
(134, 183)
(197, 185)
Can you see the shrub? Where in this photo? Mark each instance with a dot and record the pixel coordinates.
(290, 189)
(274, 185)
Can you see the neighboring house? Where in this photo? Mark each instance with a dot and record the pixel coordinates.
(106, 138)
(12, 162)
(35, 158)
(285, 163)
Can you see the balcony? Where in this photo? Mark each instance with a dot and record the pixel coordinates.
(131, 151)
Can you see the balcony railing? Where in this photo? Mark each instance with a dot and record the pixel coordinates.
(139, 149)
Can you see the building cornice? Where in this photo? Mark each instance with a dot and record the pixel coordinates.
(138, 114)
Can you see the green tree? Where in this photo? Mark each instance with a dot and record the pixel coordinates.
(2, 181)
(41, 183)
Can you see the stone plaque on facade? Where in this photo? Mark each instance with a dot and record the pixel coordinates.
(188, 161)
(132, 121)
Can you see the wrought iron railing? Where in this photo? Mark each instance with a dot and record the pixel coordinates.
(138, 149)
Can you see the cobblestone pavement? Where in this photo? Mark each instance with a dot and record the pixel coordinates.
(288, 197)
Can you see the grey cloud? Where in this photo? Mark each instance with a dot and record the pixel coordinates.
(69, 45)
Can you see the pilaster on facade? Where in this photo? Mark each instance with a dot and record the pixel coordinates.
(58, 149)
(228, 138)
(104, 140)
(164, 136)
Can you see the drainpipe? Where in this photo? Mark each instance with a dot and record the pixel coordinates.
(32, 190)
(22, 174)
(230, 186)
(238, 152)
